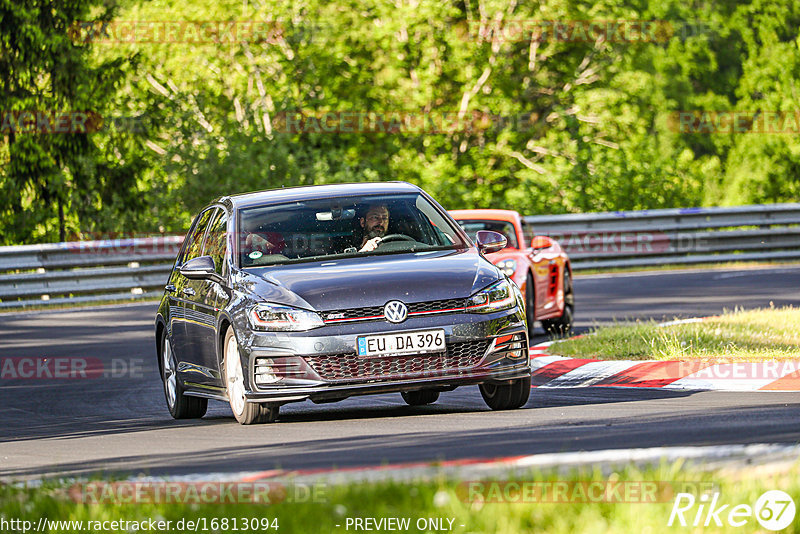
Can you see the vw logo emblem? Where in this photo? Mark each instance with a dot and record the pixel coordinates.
(395, 311)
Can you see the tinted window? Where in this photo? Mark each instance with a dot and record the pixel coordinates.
(216, 240)
(195, 240)
(503, 227)
(327, 228)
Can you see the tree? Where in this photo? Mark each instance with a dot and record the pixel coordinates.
(54, 100)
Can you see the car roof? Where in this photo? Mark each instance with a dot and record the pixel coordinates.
(311, 192)
(489, 214)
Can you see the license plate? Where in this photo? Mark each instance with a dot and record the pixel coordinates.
(401, 343)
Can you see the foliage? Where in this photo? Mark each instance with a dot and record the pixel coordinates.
(54, 183)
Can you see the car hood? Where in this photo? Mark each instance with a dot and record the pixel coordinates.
(372, 280)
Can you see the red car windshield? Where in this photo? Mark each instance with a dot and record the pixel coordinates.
(472, 227)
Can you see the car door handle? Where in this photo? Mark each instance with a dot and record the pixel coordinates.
(188, 291)
(169, 288)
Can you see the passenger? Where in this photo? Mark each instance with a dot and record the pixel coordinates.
(263, 242)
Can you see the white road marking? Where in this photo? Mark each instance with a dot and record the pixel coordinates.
(541, 361)
(590, 373)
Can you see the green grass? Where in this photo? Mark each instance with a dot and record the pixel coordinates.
(754, 335)
(442, 499)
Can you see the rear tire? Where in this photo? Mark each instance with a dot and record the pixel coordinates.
(180, 406)
(506, 396)
(420, 397)
(247, 413)
(562, 326)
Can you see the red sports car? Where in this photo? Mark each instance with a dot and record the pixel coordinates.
(538, 266)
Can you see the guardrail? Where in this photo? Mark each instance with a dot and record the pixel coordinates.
(685, 236)
(85, 271)
(138, 268)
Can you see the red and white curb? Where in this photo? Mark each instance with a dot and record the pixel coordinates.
(562, 372)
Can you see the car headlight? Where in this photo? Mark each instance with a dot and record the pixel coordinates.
(276, 317)
(509, 267)
(498, 296)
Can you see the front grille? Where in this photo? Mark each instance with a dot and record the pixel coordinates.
(340, 367)
(437, 305)
(352, 314)
(375, 313)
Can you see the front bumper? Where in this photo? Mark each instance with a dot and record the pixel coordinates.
(321, 365)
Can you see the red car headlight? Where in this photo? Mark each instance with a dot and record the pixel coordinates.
(509, 267)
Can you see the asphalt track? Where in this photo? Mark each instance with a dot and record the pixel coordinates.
(78, 427)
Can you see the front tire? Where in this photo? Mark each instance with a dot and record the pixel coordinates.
(246, 413)
(562, 326)
(420, 397)
(506, 396)
(180, 406)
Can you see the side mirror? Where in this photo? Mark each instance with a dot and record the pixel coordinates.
(201, 268)
(540, 242)
(489, 241)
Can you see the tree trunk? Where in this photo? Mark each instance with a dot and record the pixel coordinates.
(62, 231)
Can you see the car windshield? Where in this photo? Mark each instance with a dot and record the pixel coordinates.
(503, 227)
(323, 229)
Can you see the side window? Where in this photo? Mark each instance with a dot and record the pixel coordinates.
(195, 240)
(441, 232)
(216, 240)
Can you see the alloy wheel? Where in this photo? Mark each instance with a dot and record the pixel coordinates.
(235, 377)
(170, 378)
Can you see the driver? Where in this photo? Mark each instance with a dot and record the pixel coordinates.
(375, 222)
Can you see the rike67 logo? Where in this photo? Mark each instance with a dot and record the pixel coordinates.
(774, 510)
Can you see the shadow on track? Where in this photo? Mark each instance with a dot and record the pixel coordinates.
(529, 431)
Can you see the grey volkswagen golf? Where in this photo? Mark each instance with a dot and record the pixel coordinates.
(327, 292)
